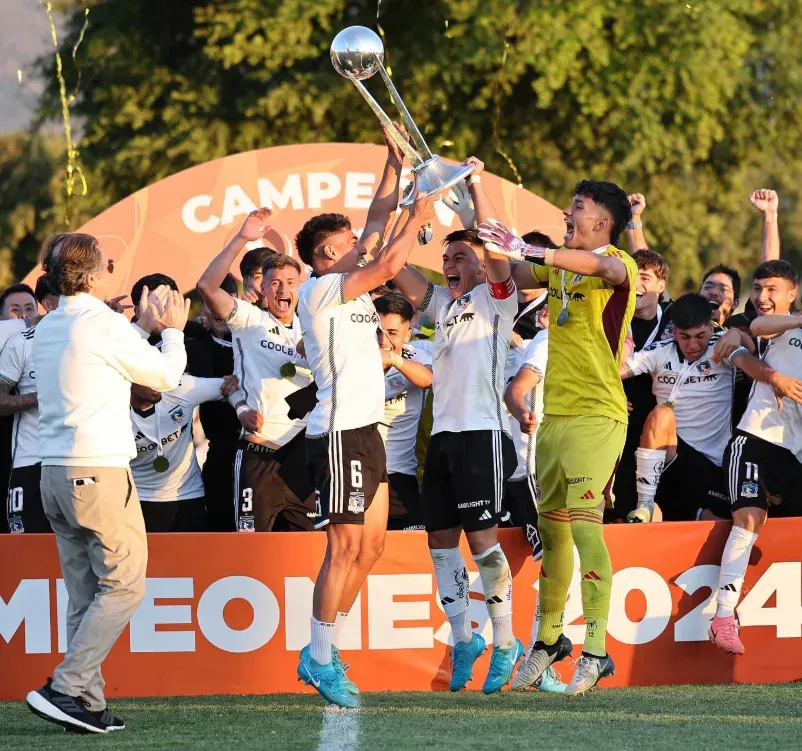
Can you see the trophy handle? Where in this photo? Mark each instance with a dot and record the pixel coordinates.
(409, 123)
(409, 152)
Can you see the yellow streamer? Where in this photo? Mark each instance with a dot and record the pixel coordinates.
(383, 37)
(73, 169)
(19, 76)
(497, 117)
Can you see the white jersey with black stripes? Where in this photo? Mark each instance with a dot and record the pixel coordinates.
(472, 338)
(703, 405)
(343, 351)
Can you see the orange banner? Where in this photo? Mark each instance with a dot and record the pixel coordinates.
(228, 613)
(177, 225)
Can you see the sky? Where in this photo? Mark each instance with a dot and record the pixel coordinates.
(24, 35)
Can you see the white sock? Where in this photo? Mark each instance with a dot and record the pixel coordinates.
(322, 635)
(649, 465)
(339, 622)
(452, 583)
(734, 562)
(497, 584)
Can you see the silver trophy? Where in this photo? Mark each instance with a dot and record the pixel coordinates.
(357, 53)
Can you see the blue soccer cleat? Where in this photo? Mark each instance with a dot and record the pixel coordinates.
(463, 656)
(549, 682)
(342, 668)
(502, 666)
(326, 680)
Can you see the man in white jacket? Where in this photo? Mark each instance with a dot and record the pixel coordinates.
(92, 356)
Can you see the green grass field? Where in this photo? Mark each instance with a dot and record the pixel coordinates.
(725, 717)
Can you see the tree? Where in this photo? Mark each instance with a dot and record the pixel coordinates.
(693, 104)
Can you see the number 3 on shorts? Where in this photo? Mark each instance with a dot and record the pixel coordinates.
(356, 474)
(247, 500)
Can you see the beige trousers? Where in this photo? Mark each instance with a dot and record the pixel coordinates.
(100, 533)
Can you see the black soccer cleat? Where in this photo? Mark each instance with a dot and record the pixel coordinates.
(62, 709)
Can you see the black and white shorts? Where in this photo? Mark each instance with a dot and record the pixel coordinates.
(347, 467)
(25, 511)
(266, 483)
(763, 475)
(463, 479)
(691, 482)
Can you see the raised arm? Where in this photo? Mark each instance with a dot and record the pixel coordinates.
(416, 373)
(497, 266)
(385, 200)
(499, 240)
(635, 234)
(146, 365)
(218, 300)
(392, 257)
(768, 203)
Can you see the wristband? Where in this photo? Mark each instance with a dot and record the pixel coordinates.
(740, 351)
(394, 358)
(242, 408)
(771, 375)
(634, 225)
(474, 179)
(549, 257)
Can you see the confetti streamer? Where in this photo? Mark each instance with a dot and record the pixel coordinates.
(497, 93)
(383, 38)
(73, 170)
(19, 76)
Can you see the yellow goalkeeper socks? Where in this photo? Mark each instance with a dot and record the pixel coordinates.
(597, 576)
(556, 570)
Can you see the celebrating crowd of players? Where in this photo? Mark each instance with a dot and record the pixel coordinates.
(558, 379)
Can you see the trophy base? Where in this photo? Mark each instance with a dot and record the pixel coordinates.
(435, 176)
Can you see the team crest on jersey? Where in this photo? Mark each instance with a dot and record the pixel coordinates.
(396, 383)
(704, 367)
(464, 301)
(246, 524)
(578, 278)
(15, 525)
(749, 490)
(177, 414)
(356, 502)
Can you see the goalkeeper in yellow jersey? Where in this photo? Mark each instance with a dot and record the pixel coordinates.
(591, 286)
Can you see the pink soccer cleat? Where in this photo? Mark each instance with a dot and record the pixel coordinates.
(723, 633)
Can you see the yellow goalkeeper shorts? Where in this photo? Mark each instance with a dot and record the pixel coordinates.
(577, 457)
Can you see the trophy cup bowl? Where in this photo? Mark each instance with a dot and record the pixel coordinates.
(357, 52)
(435, 176)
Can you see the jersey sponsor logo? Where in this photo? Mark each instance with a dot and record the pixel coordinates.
(365, 318)
(473, 504)
(356, 502)
(177, 414)
(794, 342)
(463, 318)
(577, 480)
(278, 347)
(749, 490)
